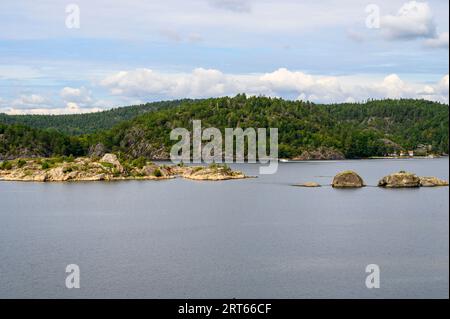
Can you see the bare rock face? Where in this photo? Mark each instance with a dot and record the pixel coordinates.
(57, 174)
(431, 181)
(322, 153)
(112, 159)
(401, 179)
(97, 150)
(347, 179)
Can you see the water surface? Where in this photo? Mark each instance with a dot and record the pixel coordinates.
(254, 238)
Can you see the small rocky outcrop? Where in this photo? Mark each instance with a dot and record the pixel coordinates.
(308, 184)
(113, 160)
(431, 181)
(322, 153)
(347, 179)
(401, 179)
(211, 173)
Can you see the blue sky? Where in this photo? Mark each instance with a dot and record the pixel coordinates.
(127, 52)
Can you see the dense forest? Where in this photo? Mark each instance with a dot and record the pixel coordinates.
(375, 128)
(77, 124)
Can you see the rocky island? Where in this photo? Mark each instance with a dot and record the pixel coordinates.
(404, 179)
(347, 179)
(107, 168)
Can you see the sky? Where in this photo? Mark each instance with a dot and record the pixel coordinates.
(63, 57)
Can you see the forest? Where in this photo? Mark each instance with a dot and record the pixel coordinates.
(357, 130)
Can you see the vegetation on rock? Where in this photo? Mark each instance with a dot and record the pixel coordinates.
(109, 167)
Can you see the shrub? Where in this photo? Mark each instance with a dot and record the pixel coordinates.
(68, 169)
(139, 162)
(197, 169)
(21, 163)
(157, 172)
(45, 165)
(6, 165)
(107, 165)
(69, 159)
(213, 166)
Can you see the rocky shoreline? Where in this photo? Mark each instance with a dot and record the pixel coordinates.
(107, 168)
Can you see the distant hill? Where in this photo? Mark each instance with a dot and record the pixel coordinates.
(76, 124)
(354, 130)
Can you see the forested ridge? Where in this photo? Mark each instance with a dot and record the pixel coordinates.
(77, 124)
(357, 130)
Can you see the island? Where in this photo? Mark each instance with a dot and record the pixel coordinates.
(108, 168)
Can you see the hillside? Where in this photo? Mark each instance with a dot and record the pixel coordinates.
(76, 124)
(357, 130)
(374, 128)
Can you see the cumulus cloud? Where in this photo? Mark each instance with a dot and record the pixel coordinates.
(29, 101)
(413, 20)
(439, 91)
(76, 100)
(441, 41)
(77, 95)
(149, 84)
(141, 85)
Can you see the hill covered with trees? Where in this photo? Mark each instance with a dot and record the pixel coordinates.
(77, 124)
(355, 130)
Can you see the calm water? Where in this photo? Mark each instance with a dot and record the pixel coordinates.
(255, 238)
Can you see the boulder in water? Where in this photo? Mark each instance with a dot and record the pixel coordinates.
(347, 179)
(401, 179)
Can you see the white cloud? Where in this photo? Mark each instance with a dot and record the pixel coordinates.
(76, 100)
(77, 95)
(71, 108)
(29, 101)
(141, 85)
(413, 20)
(144, 19)
(149, 84)
(441, 41)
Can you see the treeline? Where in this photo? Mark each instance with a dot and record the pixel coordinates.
(77, 124)
(22, 141)
(361, 130)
